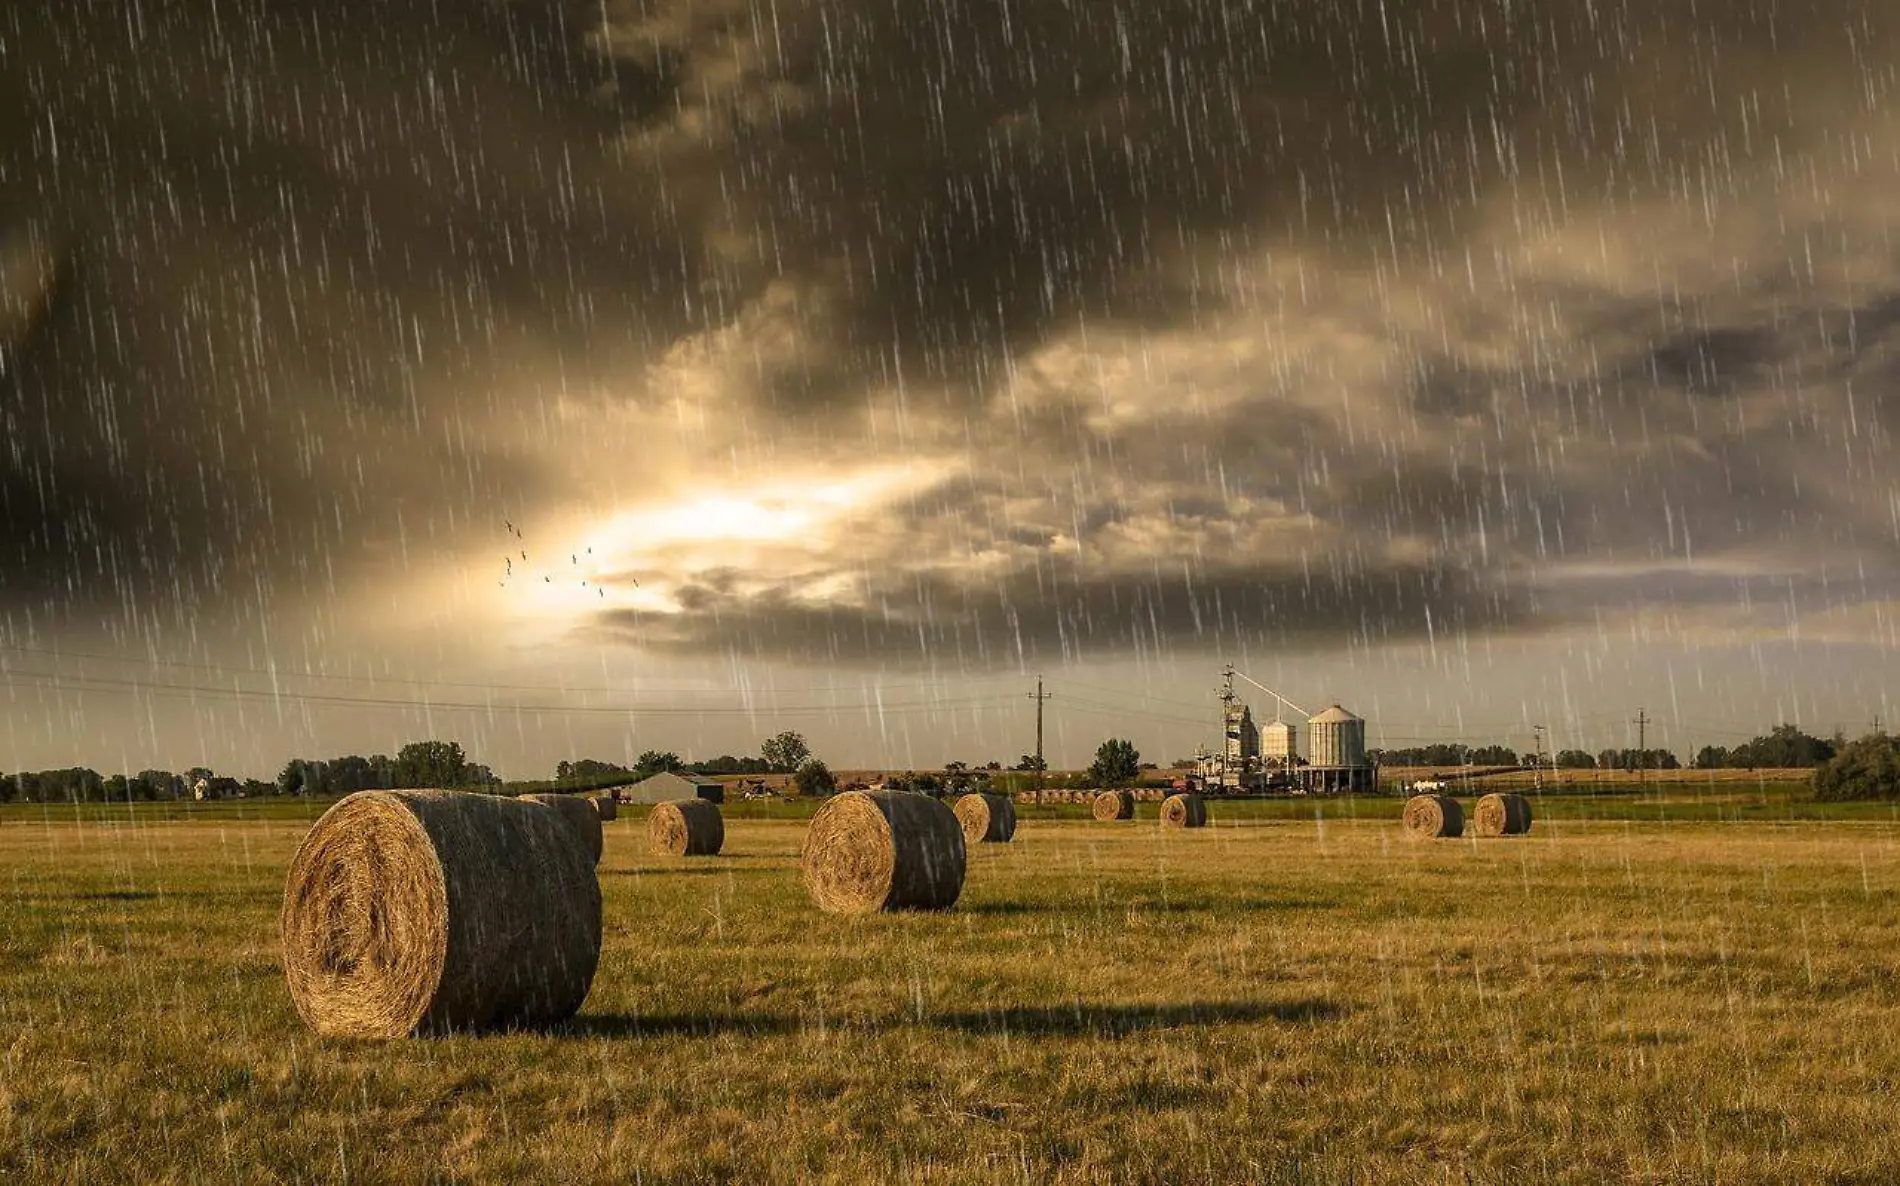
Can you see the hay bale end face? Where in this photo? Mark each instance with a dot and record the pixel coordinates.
(1432, 817)
(986, 819)
(428, 911)
(687, 828)
(580, 815)
(1184, 811)
(867, 851)
(1503, 814)
(1114, 805)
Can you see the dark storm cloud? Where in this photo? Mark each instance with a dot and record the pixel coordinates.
(306, 249)
(302, 272)
(1060, 613)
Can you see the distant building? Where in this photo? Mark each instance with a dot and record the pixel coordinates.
(1337, 761)
(669, 785)
(1243, 737)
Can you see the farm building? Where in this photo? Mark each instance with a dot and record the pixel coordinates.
(1279, 743)
(1336, 740)
(667, 786)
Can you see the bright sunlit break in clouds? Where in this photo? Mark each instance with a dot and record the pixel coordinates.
(576, 379)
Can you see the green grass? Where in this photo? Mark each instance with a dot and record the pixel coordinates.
(1293, 998)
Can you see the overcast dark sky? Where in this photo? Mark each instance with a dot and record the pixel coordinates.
(1475, 363)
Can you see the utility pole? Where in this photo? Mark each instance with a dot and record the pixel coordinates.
(1039, 696)
(1642, 738)
(1537, 765)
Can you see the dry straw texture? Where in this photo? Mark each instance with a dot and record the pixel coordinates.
(428, 911)
(883, 850)
(986, 819)
(607, 806)
(1430, 817)
(580, 816)
(1184, 811)
(1114, 805)
(1503, 814)
(687, 828)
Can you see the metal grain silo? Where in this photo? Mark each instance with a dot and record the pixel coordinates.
(1336, 738)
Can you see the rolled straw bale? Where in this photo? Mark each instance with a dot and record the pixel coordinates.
(986, 819)
(687, 828)
(1430, 817)
(883, 850)
(428, 911)
(1503, 814)
(606, 806)
(1114, 805)
(580, 816)
(1184, 811)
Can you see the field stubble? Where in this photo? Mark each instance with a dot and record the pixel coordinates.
(1263, 1000)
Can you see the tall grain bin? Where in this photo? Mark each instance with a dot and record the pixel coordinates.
(1337, 739)
(1280, 743)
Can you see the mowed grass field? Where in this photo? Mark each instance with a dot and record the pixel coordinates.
(1296, 994)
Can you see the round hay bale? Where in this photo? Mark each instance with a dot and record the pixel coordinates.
(883, 850)
(428, 911)
(1502, 814)
(687, 828)
(1184, 811)
(607, 807)
(1430, 817)
(1114, 805)
(986, 819)
(580, 816)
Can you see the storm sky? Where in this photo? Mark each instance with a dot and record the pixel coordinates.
(376, 370)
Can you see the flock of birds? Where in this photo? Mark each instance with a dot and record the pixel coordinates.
(574, 559)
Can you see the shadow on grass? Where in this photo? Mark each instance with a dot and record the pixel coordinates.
(1116, 1021)
(676, 1025)
(1060, 1021)
(1123, 905)
(685, 869)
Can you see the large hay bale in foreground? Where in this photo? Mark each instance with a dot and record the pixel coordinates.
(606, 806)
(1502, 814)
(1184, 811)
(986, 818)
(580, 816)
(1114, 805)
(428, 911)
(687, 828)
(1430, 817)
(883, 850)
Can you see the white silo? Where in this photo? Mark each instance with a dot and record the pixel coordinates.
(1280, 742)
(1337, 738)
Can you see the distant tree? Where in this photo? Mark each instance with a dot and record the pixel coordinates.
(1031, 762)
(992, 765)
(1117, 763)
(563, 770)
(654, 762)
(814, 778)
(1710, 757)
(1634, 759)
(1493, 755)
(156, 784)
(785, 751)
(1865, 769)
(1784, 746)
(432, 764)
(1575, 759)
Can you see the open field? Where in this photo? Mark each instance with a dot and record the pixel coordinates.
(1295, 994)
(1586, 780)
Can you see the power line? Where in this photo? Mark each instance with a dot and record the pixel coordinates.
(288, 673)
(104, 685)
